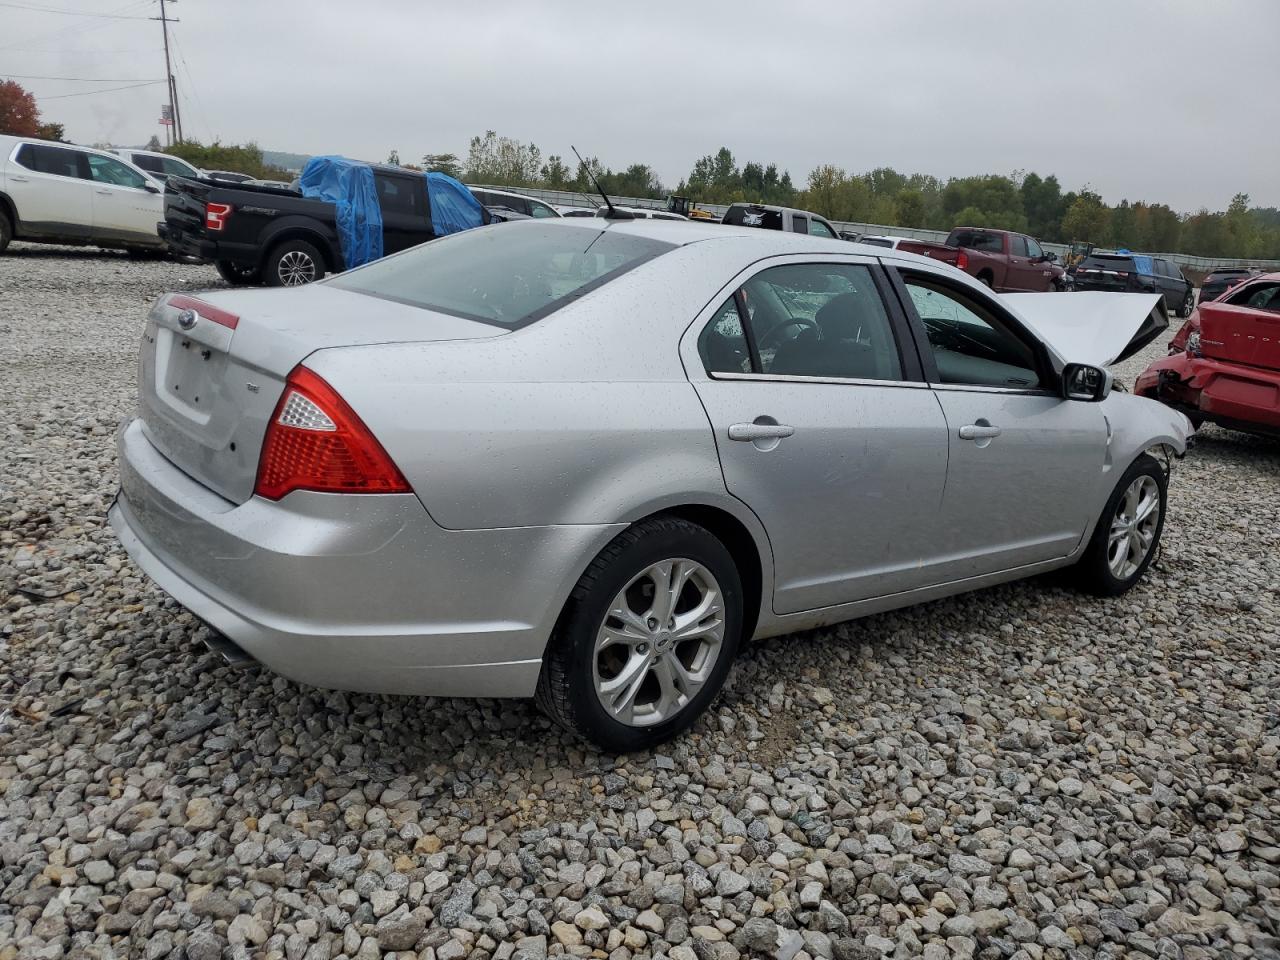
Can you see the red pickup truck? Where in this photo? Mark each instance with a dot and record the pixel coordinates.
(1005, 261)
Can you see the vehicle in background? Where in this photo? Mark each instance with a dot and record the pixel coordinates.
(227, 176)
(1076, 252)
(62, 193)
(499, 465)
(1224, 364)
(1002, 259)
(640, 213)
(689, 210)
(1216, 282)
(577, 211)
(160, 165)
(787, 219)
(505, 215)
(893, 243)
(529, 206)
(257, 234)
(1137, 273)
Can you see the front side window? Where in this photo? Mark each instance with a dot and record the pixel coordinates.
(1033, 249)
(58, 161)
(813, 320)
(819, 229)
(105, 170)
(540, 209)
(1019, 246)
(971, 343)
(508, 276)
(150, 164)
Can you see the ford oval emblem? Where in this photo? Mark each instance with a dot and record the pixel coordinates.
(187, 319)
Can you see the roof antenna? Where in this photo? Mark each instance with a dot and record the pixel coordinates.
(614, 213)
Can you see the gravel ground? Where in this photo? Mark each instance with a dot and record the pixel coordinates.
(1022, 772)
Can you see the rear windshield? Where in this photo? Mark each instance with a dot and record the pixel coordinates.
(754, 217)
(508, 274)
(976, 240)
(1103, 262)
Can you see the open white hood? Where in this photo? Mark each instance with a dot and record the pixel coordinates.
(1092, 326)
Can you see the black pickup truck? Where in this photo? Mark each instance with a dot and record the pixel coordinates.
(259, 234)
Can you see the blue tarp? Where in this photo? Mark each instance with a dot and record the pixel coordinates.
(350, 187)
(453, 207)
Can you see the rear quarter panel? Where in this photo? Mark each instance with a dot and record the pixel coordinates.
(583, 417)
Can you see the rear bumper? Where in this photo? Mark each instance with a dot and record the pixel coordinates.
(1229, 394)
(359, 593)
(186, 243)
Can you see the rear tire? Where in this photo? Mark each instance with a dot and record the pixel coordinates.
(238, 276)
(987, 280)
(293, 263)
(656, 677)
(1127, 536)
(6, 230)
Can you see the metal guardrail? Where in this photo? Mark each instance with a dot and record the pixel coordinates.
(570, 198)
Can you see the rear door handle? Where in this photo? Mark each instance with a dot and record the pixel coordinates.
(19, 179)
(104, 192)
(977, 431)
(750, 432)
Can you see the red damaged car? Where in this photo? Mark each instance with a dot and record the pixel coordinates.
(1224, 364)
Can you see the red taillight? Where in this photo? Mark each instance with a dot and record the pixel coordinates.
(316, 442)
(215, 215)
(962, 260)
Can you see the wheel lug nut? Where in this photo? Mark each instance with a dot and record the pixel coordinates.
(653, 624)
(643, 648)
(671, 624)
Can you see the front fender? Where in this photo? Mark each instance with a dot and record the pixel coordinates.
(1136, 424)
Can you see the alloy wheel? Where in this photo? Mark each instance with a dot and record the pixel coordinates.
(659, 643)
(1133, 527)
(296, 268)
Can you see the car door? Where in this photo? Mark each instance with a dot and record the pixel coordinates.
(50, 191)
(126, 205)
(1020, 455)
(823, 425)
(406, 218)
(1020, 266)
(1039, 272)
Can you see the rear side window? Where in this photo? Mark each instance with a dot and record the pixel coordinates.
(799, 223)
(805, 320)
(508, 275)
(398, 195)
(743, 216)
(150, 164)
(57, 161)
(175, 168)
(1118, 264)
(977, 240)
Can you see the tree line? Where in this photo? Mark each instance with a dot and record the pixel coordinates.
(1020, 200)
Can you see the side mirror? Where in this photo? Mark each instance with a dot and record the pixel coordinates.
(1051, 257)
(1081, 381)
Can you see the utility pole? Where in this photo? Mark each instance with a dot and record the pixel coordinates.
(176, 129)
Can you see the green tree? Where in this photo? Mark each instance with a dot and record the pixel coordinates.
(996, 197)
(154, 144)
(1043, 204)
(555, 175)
(502, 160)
(1087, 219)
(446, 163)
(1124, 223)
(239, 158)
(911, 207)
(393, 158)
(52, 131)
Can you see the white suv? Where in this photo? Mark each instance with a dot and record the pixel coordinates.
(159, 165)
(61, 193)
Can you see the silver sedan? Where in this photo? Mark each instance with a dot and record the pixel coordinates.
(586, 461)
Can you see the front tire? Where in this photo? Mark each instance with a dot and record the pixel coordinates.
(6, 230)
(1188, 304)
(238, 276)
(1128, 532)
(647, 638)
(293, 263)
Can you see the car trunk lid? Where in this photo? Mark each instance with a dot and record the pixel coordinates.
(1239, 334)
(212, 368)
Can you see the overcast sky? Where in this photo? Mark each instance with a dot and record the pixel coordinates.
(1166, 101)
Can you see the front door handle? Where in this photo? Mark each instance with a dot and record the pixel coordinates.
(105, 193)
(751, 432)
(979, 431)
(18, 179)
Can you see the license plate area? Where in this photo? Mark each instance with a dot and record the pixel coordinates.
(187, 374)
